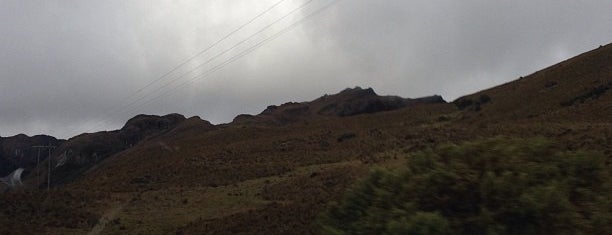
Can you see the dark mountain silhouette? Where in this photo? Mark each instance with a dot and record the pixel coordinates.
(349, 102)
(356, 101)
(16, 151)
(6, 167)
(78, 154)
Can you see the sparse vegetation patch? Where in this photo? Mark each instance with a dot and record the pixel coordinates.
(493, 186)
(594, 93)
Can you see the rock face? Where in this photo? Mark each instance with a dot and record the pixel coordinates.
(6, 166)
(142, 126)
(17, 151)
(356, 101)
(82, 152)
(349, 102)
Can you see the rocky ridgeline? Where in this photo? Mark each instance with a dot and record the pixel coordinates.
(349, 102)
(17, 152)
(76, 155)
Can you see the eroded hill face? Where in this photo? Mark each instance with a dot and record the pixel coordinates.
(82, 152)
(17, 151)
(272, 173)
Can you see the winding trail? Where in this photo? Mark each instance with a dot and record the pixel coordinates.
(109, 216)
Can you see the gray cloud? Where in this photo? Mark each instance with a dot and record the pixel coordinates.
(65, 64)
(454, 47)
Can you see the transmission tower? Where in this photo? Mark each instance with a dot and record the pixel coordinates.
(48, 147)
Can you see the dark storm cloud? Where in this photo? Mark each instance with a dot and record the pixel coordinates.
(64, 65)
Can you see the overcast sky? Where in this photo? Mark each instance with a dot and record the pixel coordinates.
(72, 66)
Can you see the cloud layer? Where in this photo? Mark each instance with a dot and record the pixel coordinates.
(72, 66)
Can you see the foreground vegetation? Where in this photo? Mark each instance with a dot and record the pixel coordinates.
(492, 186)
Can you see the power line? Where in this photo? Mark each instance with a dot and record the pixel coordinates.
(202, 51)
(213, 45)
(243, 53)
(131, 104)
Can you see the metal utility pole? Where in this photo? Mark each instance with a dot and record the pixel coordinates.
(49, 147)
(38, 168)
(49, 170)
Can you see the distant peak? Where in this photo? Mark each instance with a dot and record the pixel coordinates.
(145, 121)
(145, 116)
(19, 136)
(358, 91)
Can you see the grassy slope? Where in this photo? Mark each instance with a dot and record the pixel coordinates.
(553, 94)
(274, 180)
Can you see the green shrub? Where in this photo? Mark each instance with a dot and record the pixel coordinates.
(463, 103)
(484, 98)
(493, 186)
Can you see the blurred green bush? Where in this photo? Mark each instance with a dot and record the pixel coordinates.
(492, 186)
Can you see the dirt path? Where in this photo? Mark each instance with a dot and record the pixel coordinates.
(109, 216)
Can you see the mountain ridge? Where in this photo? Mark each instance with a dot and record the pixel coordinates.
(348, 102)
(557, 90)
(273, 172)
(17, 152)
(76, 155)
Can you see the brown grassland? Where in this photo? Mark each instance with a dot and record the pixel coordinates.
(256, 178)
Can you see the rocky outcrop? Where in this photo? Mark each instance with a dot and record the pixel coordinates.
(142, 126)
(359, 101)
(81, 152)
(349, 102)
(17, 151)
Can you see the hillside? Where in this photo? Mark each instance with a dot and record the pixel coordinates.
(575, 88)
(274, 172)
(75, 155)
(16, 151)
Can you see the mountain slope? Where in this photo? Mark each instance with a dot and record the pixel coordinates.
(576, 88)
(16, 151)
(224, 148)
(274, 178)
(84, 151)
(272, 173)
